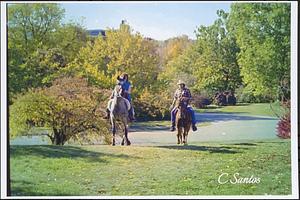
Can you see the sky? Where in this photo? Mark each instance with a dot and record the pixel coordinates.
(157, 20)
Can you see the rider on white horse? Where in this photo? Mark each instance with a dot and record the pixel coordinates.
(118, 90)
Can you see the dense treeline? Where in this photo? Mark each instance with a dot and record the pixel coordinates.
(246, 52)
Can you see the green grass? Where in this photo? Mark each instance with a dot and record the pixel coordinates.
(157, 170)
(263, 109)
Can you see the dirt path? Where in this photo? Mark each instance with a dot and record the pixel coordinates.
(222, 127)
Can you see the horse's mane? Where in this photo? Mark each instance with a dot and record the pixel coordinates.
(118, 106)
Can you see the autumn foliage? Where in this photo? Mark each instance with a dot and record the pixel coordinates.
(70, 108)
(284, 124)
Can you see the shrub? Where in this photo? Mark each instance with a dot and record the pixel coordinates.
(284, 124)
(152, 106)
(71, 108)
(200, 101)
(220, 99)
(245, 96)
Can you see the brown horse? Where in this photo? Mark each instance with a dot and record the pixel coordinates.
(183, 121)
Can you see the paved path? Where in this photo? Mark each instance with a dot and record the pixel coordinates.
(222, 127)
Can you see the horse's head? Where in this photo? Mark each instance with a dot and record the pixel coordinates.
(182, 107)
(119, 90)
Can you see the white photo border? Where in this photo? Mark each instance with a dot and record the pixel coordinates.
(294, 109)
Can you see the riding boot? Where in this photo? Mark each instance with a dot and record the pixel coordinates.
(131, 117)
(194, 127)
(107, 114)
(172, 127)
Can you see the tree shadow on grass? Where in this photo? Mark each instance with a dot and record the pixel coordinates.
(245, 144)
(222, 149)
(72, 152)
(26, 188)
(273, 142)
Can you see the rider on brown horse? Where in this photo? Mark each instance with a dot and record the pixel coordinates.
(182, 91)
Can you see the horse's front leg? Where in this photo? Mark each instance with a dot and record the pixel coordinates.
(185, 136)
(179, 135)
(186, 132)
(113, 143)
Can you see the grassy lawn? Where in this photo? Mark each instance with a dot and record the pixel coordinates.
(263, 109)
(158, 170)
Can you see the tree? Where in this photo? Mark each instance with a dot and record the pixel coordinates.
(119, 51)
(31, 25)
(176, 58)
(263, 35)
(174, 47)
(70, 108)
(216, 67)
(36, 41)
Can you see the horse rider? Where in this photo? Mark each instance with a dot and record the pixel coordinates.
(126, 88)
(182, 91)
(123, 89)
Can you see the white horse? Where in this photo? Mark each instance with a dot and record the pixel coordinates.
(119, 107)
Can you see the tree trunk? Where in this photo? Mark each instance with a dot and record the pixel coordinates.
(59, 137)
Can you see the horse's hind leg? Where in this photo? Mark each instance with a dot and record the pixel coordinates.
(126, 135)
(123, 139)
(184, 137)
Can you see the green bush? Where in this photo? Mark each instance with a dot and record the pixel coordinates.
(71, 108)
(152, 106)
(246, 96)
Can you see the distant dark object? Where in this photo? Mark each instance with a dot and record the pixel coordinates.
(220, 99)
(96, 32)
(230, 99)
(225, 98)
(201, 101)
(148, 38)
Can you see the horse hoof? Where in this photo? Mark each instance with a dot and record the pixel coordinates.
(113, 144)
(128, 143)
